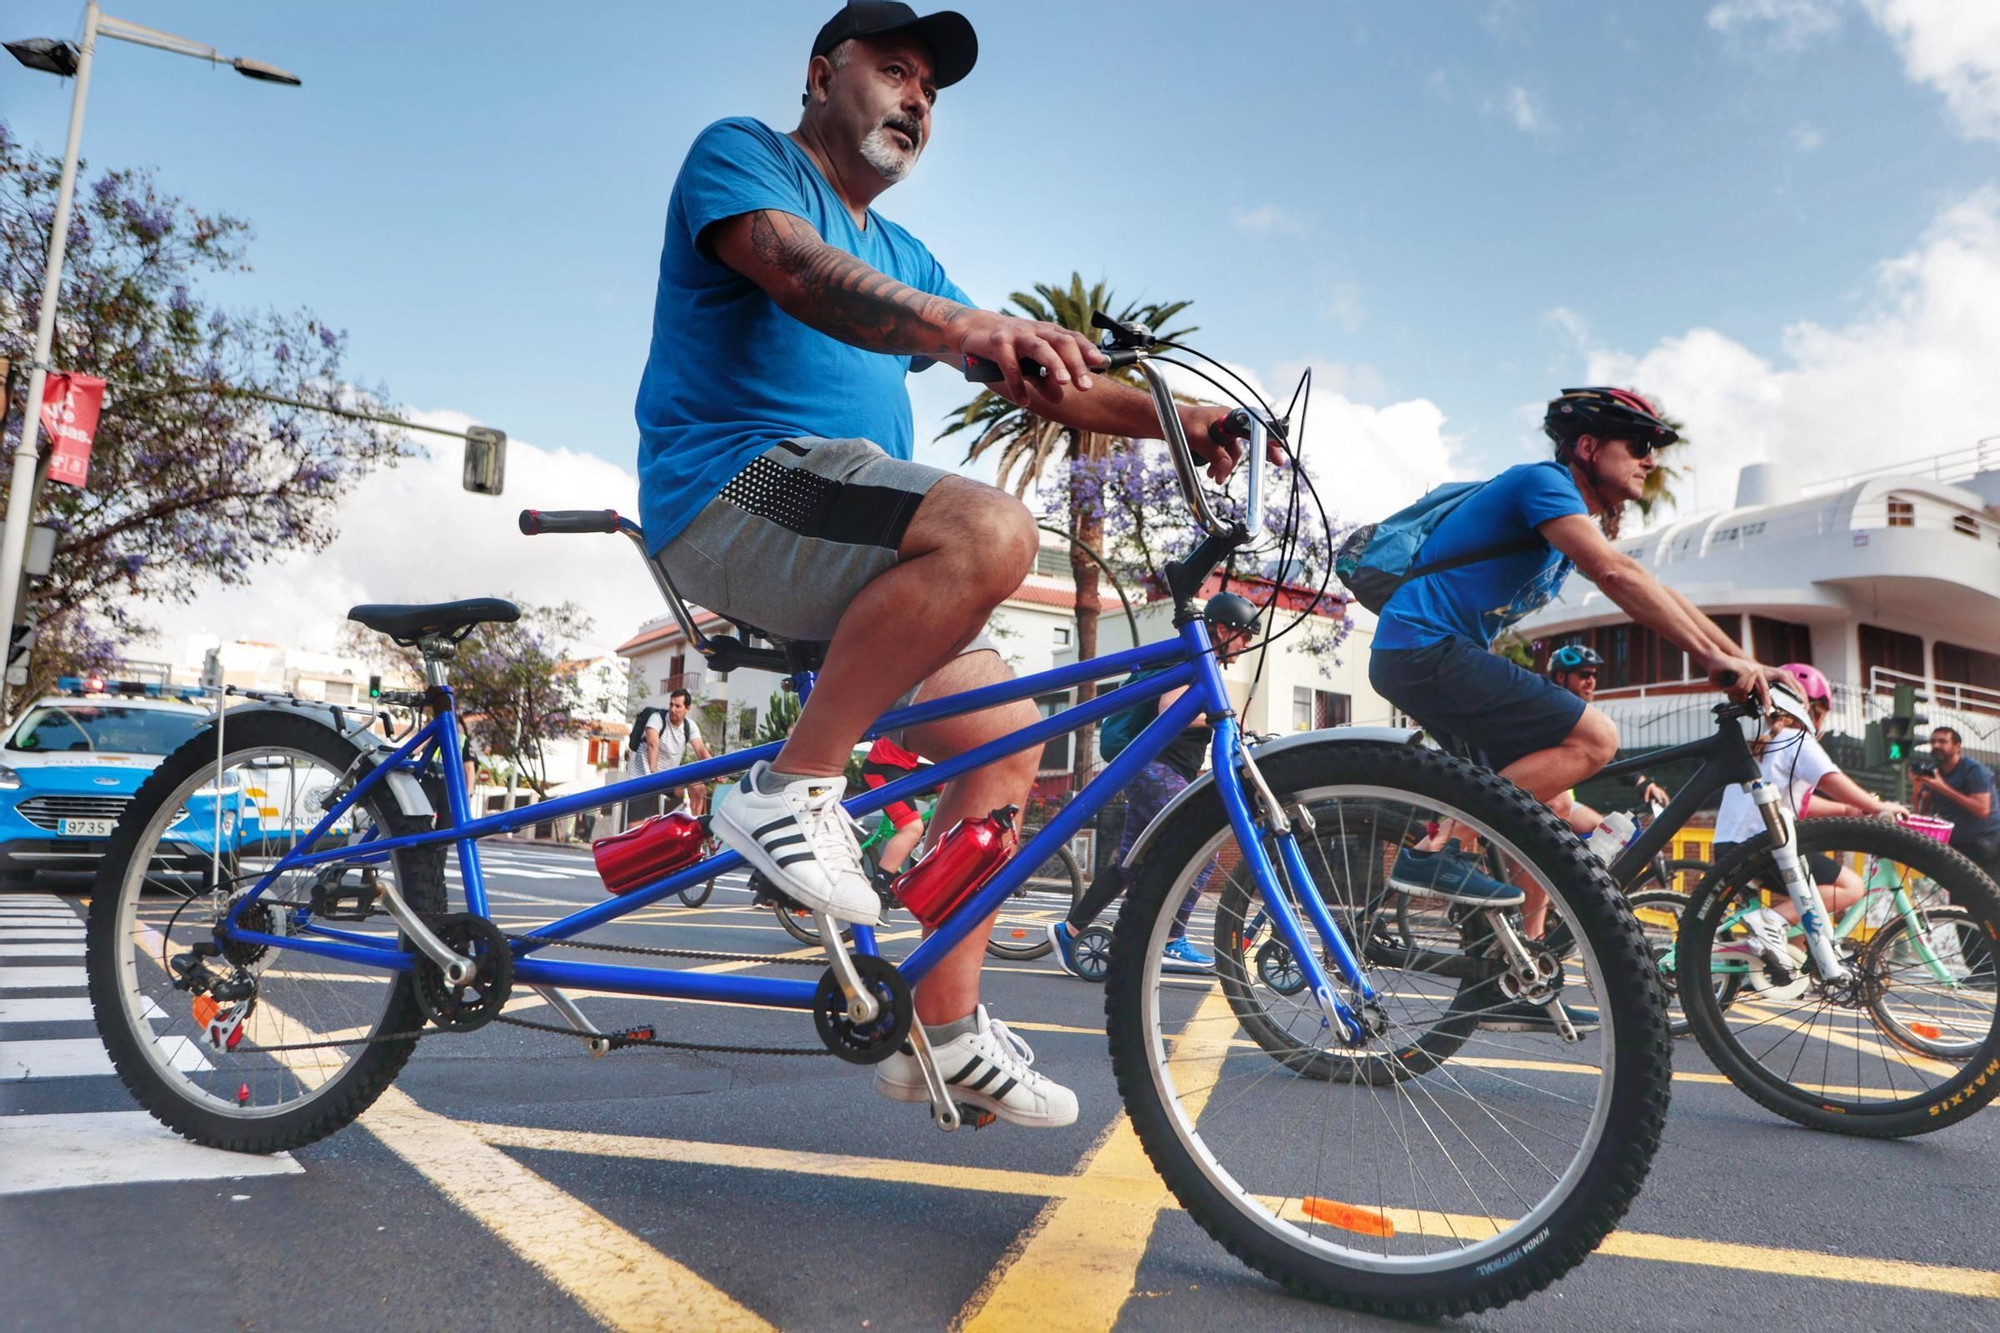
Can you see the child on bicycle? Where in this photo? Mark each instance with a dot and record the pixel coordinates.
(1791, 758)
(1231, 619)
(886, 763)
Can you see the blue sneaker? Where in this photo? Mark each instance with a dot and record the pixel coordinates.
(1063, 939)
(1452, 875)
(1181, 956)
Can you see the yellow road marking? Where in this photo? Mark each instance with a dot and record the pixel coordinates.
(616, 1276)
(1082, 1254)
(1102, 1189)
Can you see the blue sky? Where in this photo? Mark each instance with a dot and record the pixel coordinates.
(1464, 206)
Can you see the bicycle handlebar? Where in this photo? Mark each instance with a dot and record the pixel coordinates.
(535, 522)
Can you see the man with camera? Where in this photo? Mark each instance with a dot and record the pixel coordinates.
(1958, 788)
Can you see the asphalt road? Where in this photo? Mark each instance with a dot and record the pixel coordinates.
(508, 1181)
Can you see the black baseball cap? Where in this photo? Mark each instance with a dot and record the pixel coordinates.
(953, 45)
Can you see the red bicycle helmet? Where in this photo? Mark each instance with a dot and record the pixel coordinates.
(1810, 680)
(1612, 414)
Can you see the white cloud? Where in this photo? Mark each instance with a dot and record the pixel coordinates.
(411, 534)
(1525, 111)
(1911, 377)
(1953, 45)
(1788, 24)
(1343, 305)
(1805, 138)
(1267, 220)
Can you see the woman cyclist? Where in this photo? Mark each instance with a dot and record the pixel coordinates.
(1792, 759)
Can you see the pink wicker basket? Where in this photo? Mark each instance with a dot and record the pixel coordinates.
(1938, 829)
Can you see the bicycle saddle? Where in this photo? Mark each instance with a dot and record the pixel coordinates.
(453, 620)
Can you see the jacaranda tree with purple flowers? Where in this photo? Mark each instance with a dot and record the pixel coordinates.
(189, 481)
(1132, 499)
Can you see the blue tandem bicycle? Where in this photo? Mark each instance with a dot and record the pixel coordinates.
(1395, 1157)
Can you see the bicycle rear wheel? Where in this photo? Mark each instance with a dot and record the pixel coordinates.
(169, 1045)
(1462, 1185)
(1021, 931)
(1907, 1045)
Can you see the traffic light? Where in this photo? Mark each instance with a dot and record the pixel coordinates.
(19, 644)
(1899, 728)
(374, 687)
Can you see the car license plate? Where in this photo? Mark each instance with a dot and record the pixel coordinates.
(84, 828)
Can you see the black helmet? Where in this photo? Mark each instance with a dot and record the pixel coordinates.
(1573, 657)
(1232, 611)
(1611, 414)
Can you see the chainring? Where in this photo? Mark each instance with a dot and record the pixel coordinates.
(871, 1043)
(478, 1001)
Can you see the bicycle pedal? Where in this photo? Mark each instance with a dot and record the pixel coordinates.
(975, 1117)
(628, 1037)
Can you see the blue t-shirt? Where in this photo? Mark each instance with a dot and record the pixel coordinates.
(730, 374)
(1478, 600)
(1969, 779)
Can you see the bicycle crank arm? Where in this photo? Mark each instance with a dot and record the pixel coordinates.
(944, 1108)
(457, 969)
(862, 1007)
(595, 1041)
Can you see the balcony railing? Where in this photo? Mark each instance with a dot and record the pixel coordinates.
(1882, 681)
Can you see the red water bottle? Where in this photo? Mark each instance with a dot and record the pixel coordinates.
(958, 867)
(647, 851)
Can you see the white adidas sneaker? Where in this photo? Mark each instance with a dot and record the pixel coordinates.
(802, 841)
(987, 1067)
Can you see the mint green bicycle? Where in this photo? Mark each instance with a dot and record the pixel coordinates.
(1901, 1036)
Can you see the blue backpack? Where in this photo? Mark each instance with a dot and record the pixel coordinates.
(1379, 558)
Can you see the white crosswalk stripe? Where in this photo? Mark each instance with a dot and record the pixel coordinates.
(47, 1040)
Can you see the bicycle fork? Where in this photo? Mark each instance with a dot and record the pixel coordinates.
(1798, 884)
(1276, 823)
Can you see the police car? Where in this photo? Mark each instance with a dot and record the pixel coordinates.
(69, 767)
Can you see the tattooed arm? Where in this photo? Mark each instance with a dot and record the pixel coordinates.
(832, 291)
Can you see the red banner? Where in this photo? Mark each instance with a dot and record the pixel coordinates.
(70, 405)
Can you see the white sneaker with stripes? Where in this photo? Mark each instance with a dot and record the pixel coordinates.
(988, 1067)
(803, 842)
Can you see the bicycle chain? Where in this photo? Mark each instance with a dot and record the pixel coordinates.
(618, 1040)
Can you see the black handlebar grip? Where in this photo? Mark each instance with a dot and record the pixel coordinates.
(1235, 426)
(535, 522)
(1726, 679)
(981, 371)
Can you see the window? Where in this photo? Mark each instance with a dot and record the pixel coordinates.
(1891, 650)
(603, 752)
(1966, 666)
(1966, 526)
(1313, 710)
(1062, 636)
(1777, 641)
(1902, 513)
(1059, 755)
(1053, 562)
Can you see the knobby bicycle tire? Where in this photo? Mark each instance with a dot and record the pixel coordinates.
(1517, 1259)
(336, 1102)
(1814, 1101)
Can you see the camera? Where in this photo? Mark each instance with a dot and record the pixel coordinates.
(1923, 768)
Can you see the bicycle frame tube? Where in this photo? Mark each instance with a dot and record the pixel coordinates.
(1725, 761)
(776, 992)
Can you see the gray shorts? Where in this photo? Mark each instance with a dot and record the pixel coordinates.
(796, 536)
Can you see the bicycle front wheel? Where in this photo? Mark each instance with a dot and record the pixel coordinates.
(1909, 1041)
(1456, 1182)
(315, 1039)
(1021, 931)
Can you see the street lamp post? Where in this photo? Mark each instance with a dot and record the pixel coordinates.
(63, 59)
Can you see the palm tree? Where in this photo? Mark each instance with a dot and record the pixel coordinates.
(1660, 481)
(1028, 443)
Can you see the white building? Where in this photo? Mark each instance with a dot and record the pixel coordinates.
(1879, 579)
(254, 665)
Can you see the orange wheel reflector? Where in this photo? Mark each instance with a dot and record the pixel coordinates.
(1018, 934)
(1347, 1217)
(1926, 1031)
(205, 1009)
